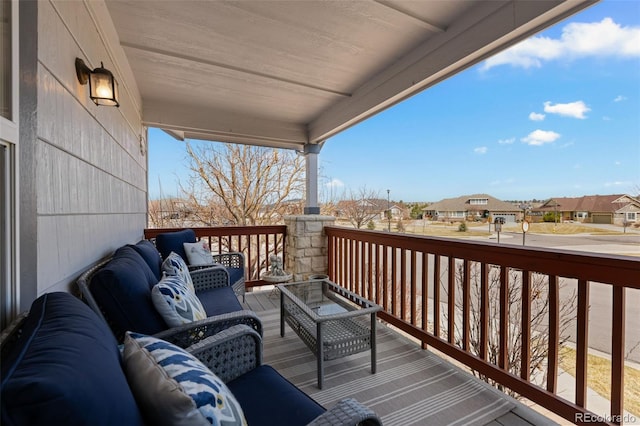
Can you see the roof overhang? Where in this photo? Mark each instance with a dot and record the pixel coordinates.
(288, 73)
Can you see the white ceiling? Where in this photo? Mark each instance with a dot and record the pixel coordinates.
(287, 73)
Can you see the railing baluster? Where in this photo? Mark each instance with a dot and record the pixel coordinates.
(451, 303)
(436, 295)
(617, 353)
(582, 343)
(403, 284)
(466, 304)
(425, 294)
(525, 353)
(554, 331)
(484, 310)
(414, 292)
(353, 266)
(385, 280)
(394, 281)
(371, 295)
(503, 356)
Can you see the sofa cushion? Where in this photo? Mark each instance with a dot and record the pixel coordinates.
(173, 241)
(122, 289)
(198, 253)
(175, 265)
(235, 274)
(268, 398)
(175, 302)
(150, 254)
(218, 301)
(66, 369)
(175, 388)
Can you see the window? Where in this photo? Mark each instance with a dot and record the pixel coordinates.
(631, 216)
(8, 141)
(479, 201)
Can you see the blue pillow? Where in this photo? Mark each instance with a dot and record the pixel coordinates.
(150, 254)
(122, 289)
(173, 242)
(65, 369)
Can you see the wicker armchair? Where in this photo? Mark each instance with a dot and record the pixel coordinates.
(233, 261)
(145, 318)
(235, 355)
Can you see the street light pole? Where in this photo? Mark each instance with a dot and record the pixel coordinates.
(388, 210)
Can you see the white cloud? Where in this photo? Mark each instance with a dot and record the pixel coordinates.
(334, 183)
(506, 141)
(480, 150)
(572, 109)
(578, 40)
(540, 137)
(535, 116)
(620, 98)
(617, 183)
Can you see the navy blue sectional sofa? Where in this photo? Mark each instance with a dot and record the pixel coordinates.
(61, 365)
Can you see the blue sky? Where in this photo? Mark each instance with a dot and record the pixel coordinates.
(556, 115)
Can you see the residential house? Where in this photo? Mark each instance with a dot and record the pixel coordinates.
(473, 207)
(608, 209)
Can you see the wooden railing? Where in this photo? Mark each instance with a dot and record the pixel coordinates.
(256, 242)
(458, 297)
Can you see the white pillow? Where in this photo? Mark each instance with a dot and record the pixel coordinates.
(175, 302)
(174, 264)
(198, 253)
(172, 387)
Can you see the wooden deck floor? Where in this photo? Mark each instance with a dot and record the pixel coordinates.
(411, 386)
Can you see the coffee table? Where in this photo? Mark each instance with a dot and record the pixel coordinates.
(332, 321)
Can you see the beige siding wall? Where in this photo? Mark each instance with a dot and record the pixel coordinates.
(91, 171)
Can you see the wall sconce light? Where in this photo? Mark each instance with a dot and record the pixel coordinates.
(103, 87)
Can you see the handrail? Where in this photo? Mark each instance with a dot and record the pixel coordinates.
(256, 242)
(399, 272)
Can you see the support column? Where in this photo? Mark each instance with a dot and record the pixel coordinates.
(311, 152)
(307, 247)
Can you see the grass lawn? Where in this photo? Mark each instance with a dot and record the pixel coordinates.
(599, 378)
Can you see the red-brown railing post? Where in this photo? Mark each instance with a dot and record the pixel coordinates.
(451, 302)
(617, 354)
(582, 343)
(554, 334)
(525, 353)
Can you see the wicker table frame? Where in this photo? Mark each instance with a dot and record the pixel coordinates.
(335, 335)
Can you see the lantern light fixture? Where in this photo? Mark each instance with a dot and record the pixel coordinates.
(103, 87)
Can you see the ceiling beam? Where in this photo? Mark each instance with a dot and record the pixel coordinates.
(421, 21)
(188, 121)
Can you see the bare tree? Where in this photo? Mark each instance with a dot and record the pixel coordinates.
(243, 184)
(360, 207)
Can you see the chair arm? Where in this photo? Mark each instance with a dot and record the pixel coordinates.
(347, 412)
(210, 277)
(230, 353)
(233, 259)
(189, 334)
